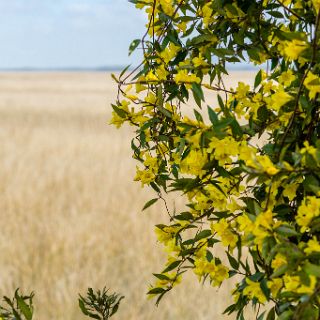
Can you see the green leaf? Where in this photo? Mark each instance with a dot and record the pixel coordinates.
(82, 307)
(253, 54)
(156, 291)
(258, 79)
(236, 129)
(287, 315)
(271, 314)
(276, 14)
(184, 216)
(213, 116)
(198, 115)
(252, 205)
(233, 262)
(172, 266)
(261, 316)
(124, 70)
(264, 288)
(230, 309)
(312, 269)
(232, 9)
(311, 184)
(309, 312)
(220, 101)
(197, 93)
(164, 111)
(279, 271)
(22, 305)
(150, 203)
(286, 231)
(120, 112)
(202, 39)
(161, 276)
(134, 44)
(203, 234)
(25, 309)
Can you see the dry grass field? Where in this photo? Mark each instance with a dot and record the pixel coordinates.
(70, 213)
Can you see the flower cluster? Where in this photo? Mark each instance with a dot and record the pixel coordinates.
(248, 164)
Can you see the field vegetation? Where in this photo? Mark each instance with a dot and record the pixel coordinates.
(71, 214)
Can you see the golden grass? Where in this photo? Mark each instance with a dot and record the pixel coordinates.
(71, 215)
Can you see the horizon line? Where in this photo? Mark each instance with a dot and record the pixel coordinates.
(115, 68)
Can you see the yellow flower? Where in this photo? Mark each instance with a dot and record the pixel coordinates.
(167, 7)
(151, 77)
(145, 176)
(218, 199)
(194, 140)
(266, 165)
(294, 284)
(309, 209)
(151, 163)
(220, 226)
(268, 86)
(278, 261)
(313, 245)
(308, 289)
(312, 83)
(245, 224)
(199, 61)
(223, 149)
(151, 98)
(290, 191)
(138, 117)
(200, 266)
(217, 272)
(286, 78)
(193, 163)
(265, 219)
(170, 52)
(207, 14)
(316, 4)
(183, 77)
(247, 153)
(182, 26)
(286, 2)
(203, 202)
(161, 72)
(116, 119)
(291, 283)
(171, 247)
(220, 273)
(140, 87)
(275, 285)
(292, 49)
(242, 90)
(228, 238)
(304, 217)
(279, 99)
(253, 290)
(163, 235)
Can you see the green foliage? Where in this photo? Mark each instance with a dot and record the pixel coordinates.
(96, 305)
(99, 305)
(261, 198)
(20, 307)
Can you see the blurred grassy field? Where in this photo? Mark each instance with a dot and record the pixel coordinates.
(71, 215)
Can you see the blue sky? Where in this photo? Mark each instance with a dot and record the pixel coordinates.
(67, 33)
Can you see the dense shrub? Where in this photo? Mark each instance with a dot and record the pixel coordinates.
(262, 197)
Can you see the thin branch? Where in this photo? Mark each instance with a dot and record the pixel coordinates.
(291, 11)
